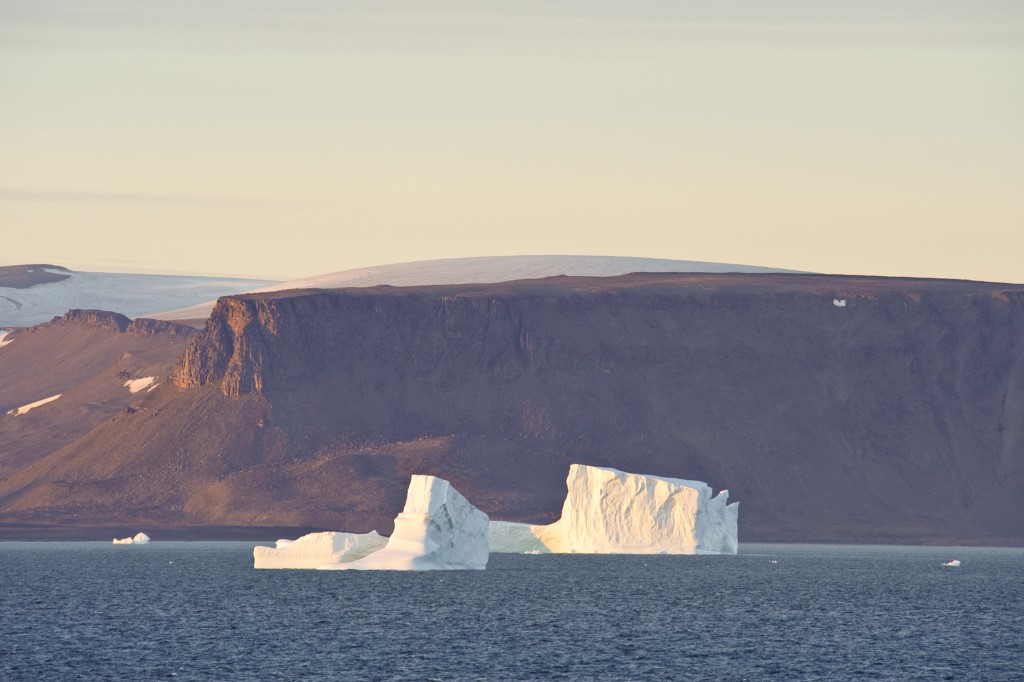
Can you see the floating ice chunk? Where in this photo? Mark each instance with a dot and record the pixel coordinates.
(437, 530)
(136, 385)
(955, 563)
(607, 511)
(139, 539)
(31, 406)
(839, 302)
(317, 549)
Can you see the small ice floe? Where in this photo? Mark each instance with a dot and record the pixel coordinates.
(31, 406)
(839, 302)
(773, 561)
(140, 539)
(954, 563)
(136, 385)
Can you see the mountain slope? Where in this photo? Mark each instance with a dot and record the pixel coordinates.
(833, 408)
(86, 357)
(479, 269)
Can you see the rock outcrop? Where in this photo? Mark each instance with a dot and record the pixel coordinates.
(607, 511)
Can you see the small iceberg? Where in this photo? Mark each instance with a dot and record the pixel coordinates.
(140, 539)
(954, 563)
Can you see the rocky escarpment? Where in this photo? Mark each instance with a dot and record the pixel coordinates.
(833, 408)
(94, 319)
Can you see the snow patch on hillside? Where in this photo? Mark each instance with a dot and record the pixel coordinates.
(136, 385)
(3, 341)
(31, 406)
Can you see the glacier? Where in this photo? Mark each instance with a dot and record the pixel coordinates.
(438, 529)
(607, 511)
(317, 549)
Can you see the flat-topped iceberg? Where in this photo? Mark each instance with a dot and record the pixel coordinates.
(139, 539)
(317, 549)
(437, 530)
(607, 511)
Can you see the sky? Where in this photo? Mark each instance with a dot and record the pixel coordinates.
(287, 139)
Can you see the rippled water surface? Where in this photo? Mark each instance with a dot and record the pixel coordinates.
(199, 611)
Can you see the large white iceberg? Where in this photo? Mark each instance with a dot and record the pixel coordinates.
(437, 530)
(138, 539)
(317, 549)
(607, 511)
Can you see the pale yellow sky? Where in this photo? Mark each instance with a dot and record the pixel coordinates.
(286, 139)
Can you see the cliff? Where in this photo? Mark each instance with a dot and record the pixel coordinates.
(834, 408)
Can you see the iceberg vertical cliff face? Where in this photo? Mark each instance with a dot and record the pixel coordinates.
(438, 529)
(317, 549)
(607, 511)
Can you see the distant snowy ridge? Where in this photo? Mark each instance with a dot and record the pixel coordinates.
(128, 294)
(478, 270)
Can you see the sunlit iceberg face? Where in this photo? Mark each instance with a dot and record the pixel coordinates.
(607, 511)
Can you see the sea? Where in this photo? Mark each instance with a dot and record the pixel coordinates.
(199, 611)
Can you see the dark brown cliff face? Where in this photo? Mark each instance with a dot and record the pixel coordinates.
(895, 416)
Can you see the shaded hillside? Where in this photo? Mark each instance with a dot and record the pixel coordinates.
(86, 357)
(833, 408)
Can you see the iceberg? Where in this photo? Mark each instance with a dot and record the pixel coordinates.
(317, 549)
(139, 539)
(607, 511)
(437, 530)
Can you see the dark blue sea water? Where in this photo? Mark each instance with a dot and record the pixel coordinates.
(198, 611)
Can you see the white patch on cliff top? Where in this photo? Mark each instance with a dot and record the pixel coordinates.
(136, 385)
(31, 406)
(480, 270)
